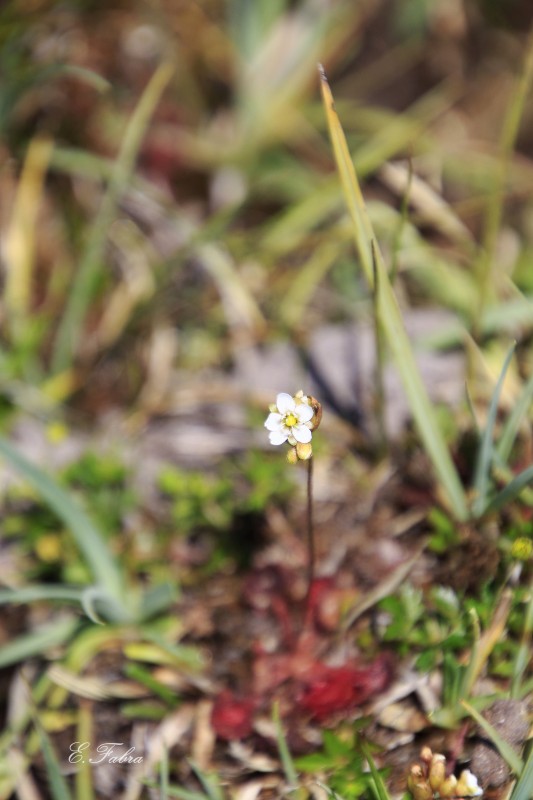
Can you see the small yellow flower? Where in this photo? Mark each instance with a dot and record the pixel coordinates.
(522, 549)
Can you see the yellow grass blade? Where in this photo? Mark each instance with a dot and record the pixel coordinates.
(20, 239)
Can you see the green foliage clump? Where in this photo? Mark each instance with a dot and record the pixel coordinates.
(206, 500)
(344, 763)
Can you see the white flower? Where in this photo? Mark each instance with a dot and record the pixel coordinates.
(290, 420)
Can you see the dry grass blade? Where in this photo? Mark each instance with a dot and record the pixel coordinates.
(21, 236)
(71, 326)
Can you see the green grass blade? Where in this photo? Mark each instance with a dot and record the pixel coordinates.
(71, 326)
(503, 747)
(163, 775)
(377, 785)
(522, 660)
(485, 452)
(286, 759)
(512, 424)
(143, 676)
(29, 594)
(212, 789)
(511, 491)
(188, 656)
(523, 789)
(37, 641)
(84, 772)
(88, 539)
(391, 319)
(57, 783)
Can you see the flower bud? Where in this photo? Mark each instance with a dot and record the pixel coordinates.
(317, 409)
(292, 455)
(418, 785)
(437, 771)
(304, 451)
(448, 787)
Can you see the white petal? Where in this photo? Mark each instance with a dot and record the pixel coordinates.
(277, 437)
(302, 434)
(273, 422)
(285, 403)
(304, 413)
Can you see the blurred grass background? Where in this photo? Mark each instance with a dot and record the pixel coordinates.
(168, 186)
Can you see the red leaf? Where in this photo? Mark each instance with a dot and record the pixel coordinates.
(231, 717)
(337, 689)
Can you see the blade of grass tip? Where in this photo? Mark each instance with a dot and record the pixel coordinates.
(485, 452)
(93, 596)
(390, 316)
(503, 747)
(523, 789)
(85, 75)
(88, 539)
(512, 423)
(81, 295)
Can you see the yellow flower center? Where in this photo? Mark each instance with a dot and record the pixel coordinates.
(290, 420)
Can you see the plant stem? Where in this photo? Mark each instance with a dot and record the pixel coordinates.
(310, 537)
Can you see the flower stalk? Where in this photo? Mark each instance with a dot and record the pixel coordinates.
(293, 419)
(311, 550)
